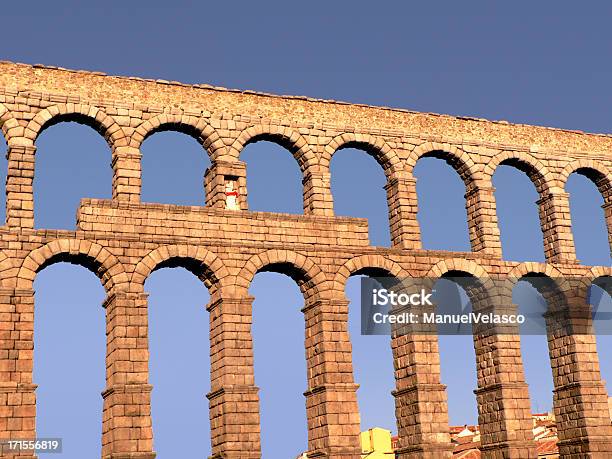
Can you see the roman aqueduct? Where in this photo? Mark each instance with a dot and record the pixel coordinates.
(123, 240)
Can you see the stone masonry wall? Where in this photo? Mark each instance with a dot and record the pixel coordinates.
(123, 240)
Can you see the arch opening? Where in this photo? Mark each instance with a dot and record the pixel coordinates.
(180, 128)
(599, 178)
(516, 195)
(204, 273)
(69, 357)
(274, 178)
(293, 142)
(456, 162)
(278, 340)
(373, 365)
(358, 188)
(179, 357)
(72, 162)
(458, 287)
(76, 118)
(530, 170)
(441, 214)
(529, 297)
(173, 166)
(600, 298)
(89, 255)
(295, 273)
(385, 159)
(586, 188)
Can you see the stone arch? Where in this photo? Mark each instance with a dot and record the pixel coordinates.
(454, 156)
(8, 124)
(204, 264)
(599, 271)
(458, 265)
(478, 285)
(595, 171)
(374, 146)
(284, 136)
(537, 172)
(556, 287)
(363, 264)
(532, 267)
(306, 273)
(193, 126)
(88, 115)
(601, 276)
(88, 254)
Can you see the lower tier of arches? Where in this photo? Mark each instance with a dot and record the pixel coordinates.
(580, 398)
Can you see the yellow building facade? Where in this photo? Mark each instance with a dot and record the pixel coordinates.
(376, 444)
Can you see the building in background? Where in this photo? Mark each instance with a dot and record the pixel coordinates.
(379, 443)
(466, 439)
(376, 444)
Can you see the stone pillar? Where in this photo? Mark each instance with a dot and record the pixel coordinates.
(402, 202)
(216, 178)
(19, 186)
(421, 408)
(233, 397)
(556, 223)
(331, 399)
(126, 164)
(607, 207)
(504, 408)
(126, 420)
(318, 199)
(17, 392)
(482, 220)
(580, 398)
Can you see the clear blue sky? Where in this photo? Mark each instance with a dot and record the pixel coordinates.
(530, 62)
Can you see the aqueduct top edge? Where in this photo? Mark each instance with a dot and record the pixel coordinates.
(96, 88)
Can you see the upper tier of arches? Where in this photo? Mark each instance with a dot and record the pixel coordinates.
(313, 149)
(221, 143)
